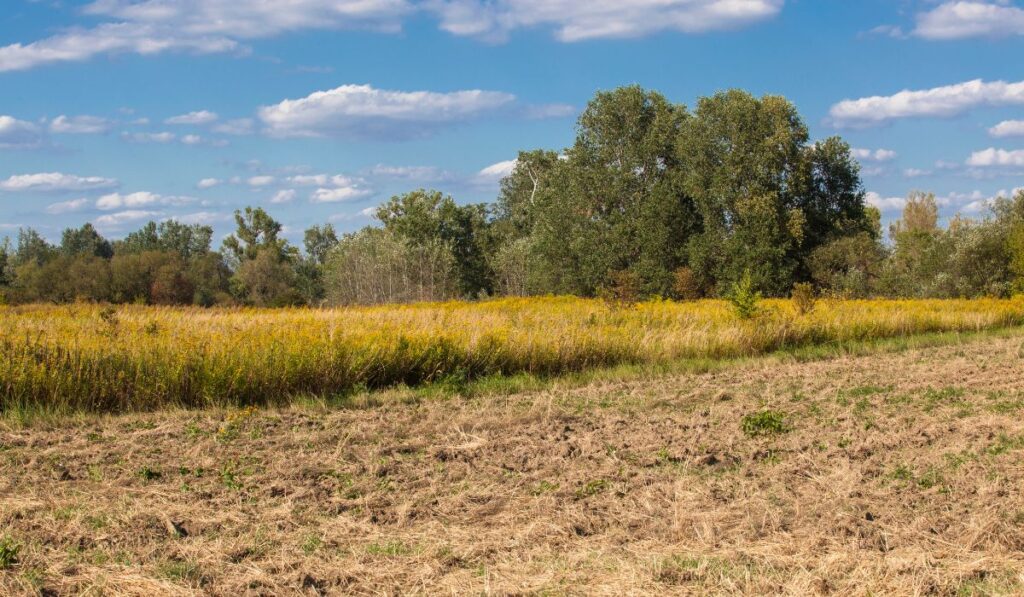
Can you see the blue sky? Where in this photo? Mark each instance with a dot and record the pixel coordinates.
(122, 111)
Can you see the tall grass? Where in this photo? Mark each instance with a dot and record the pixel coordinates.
(91, 358)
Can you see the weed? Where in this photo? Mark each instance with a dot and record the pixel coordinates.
(591, 488)
(9, 551)
(764, 423)
(149, 474)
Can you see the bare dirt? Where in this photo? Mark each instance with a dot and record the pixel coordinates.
(886, 474)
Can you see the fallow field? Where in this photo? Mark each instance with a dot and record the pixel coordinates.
(542, 446)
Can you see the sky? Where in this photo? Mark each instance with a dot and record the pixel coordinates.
(118, 112)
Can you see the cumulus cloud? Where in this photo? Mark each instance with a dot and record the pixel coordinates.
(79, 125)
(916, 172)
(208, 183)
(80, 44)
(148, 27)
(55, 182)
(139, 199)
(114, 220)
(67, 206)
(162, 137)
(996, 157)
(884, 204)
(496, 172)
(361, 111)
(284, 196)
(418, 173)
(194, 118)
(1008, 128)
(338, 194)
(238, 126)
(574, 21)
(946, 101)
(970, 18)
(876, 155)
(260, 181)
(19, 134)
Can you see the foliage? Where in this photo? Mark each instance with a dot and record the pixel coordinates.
(377, 266)
(9, 550)
(764, 423)
(803, 297)
(685, 286)
(743, 298)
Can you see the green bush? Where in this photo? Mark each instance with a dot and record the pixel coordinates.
(744, 298)
(766, 422)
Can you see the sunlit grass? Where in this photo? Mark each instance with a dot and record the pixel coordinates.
(92, 358)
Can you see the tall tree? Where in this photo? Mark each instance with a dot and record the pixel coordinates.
(256, 231)
(319, 240)
(614, 203)
(85, 241)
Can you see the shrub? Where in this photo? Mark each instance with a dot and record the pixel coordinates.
(743, 298)
(624, 287)
(685, 284)
(8, 552)
(803, 297)
(764, 423)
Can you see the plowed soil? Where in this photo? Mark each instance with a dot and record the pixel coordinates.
(896, 473)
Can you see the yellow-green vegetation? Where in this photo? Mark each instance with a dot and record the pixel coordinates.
(93, 358)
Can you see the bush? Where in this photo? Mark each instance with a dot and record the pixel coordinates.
(766, 422)
(8, 552)
(803, 297)
(744, 298)
(623, 287)
(685, 284)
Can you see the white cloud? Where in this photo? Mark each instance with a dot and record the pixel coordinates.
(284, 196)
(208, 183)
(361, 111)
(338, 194)
(203, 217)
(496, 172)
(79, 44)
(950, 100)
(163, 137)
(877, 155)
(55, 182)
(1008, 128)
(996, 157)
(884, 204)
(916, 172)
(321, 180)
(260, 181)
(140, 199)
(149, 27)
(67, 206)
(123, 217)
(574, 21)
(194, 118)
(418, 173)
(19, 134)
(79, 125)
(238, 126)
(970, 18)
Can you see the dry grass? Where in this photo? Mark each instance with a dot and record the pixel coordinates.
(65, 359)
(886, 474)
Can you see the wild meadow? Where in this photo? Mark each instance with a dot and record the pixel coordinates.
(94, 358)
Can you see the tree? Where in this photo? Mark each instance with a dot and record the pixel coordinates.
(375, 266)
(614, 203)
(920, 216)
(319, 240)
(85, 241)
(5, 262)
(188, 241)
(742, 159)
(431, 219)
(32, 247)
(849, 266)
(256, 232)
(209, 277)
(266, 280)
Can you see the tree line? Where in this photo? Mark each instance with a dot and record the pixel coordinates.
(652, 199)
